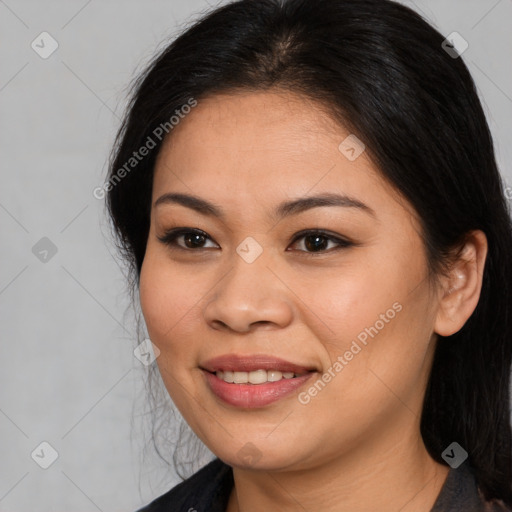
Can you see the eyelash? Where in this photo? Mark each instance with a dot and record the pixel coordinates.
(170, 236)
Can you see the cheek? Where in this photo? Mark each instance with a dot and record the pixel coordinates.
(153, 298)
(167, 300)
(350, 299)
(167, 306)
(385, 347)
(376, 313)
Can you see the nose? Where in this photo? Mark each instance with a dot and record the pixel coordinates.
(249, 297)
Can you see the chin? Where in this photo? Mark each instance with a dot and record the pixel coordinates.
(259, 457)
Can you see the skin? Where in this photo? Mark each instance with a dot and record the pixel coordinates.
(356, 446)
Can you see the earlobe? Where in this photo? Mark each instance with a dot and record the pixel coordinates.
(460, 289)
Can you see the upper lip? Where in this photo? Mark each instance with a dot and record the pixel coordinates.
(246, 363)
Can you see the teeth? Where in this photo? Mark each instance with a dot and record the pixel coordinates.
(274, 375)
(254, 377)
(258, 377)
(228, 376)
(241, 378)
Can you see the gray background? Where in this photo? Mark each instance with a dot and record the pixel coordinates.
(68, 373)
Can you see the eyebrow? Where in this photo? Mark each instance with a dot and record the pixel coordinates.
(285, 209)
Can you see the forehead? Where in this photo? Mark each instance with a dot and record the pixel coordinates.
(255, 145)
(269, 123)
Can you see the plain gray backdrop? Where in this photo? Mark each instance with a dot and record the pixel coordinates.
(69, 377)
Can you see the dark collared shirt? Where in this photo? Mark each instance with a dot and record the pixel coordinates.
(209, 489)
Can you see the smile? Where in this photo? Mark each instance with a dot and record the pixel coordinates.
(254, 377)
(251, 381)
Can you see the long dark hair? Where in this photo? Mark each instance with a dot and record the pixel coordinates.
(383, 72)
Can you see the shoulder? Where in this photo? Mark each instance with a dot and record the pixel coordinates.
(461, 492)
(493, 505)
(206, 490)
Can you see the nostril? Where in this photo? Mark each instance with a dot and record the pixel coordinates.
(264, 322)
(220, 324)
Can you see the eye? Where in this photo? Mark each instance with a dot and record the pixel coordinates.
(315, 241)
(192, 238)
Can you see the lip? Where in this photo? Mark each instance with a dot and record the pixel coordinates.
(233, 362)
(252, 396)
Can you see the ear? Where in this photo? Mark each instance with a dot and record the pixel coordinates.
(460, 289)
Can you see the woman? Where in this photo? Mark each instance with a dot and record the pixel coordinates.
(308, 197)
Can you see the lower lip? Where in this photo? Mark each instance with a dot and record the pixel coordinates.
(253, 395)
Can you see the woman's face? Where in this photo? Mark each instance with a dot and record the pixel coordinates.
(348, 311)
